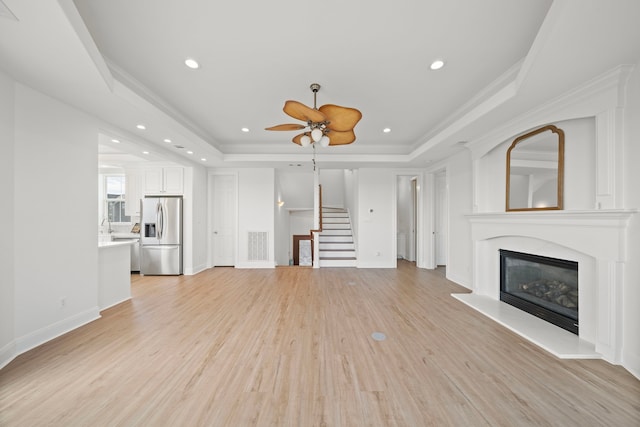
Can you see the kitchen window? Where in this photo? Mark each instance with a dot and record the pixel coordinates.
(115, 199)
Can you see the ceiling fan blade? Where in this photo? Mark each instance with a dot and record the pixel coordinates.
(300, 111)
(341, 119)
(341, 138)
(288, 126)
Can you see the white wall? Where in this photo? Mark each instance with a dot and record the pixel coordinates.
(459, 183)
(256, 189)
(351, 200)
(56, 256)
(332, 181)
(376, 218)
(281, 226)
(7, 219)
(295, 188)
(195, 220)
(631, 290)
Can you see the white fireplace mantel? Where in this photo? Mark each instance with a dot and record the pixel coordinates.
(598, 233)
(596, 239)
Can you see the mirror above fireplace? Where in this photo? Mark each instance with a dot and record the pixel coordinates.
(535, 170)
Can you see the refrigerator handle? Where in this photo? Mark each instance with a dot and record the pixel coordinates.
(159, 220)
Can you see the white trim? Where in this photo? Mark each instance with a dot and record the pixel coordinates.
(7, 353)
(54, 330)
(257, 264)
(114, 304)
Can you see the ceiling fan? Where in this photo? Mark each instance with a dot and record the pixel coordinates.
(328, 125)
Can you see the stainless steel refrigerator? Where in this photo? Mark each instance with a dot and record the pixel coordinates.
(161, 235)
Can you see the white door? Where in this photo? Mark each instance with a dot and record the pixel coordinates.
(441, 219)
(224, 220)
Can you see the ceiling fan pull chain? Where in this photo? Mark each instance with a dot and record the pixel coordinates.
(314, 157)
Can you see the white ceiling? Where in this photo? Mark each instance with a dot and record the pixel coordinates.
(123, 61)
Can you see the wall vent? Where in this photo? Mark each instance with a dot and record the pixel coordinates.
(258, 246)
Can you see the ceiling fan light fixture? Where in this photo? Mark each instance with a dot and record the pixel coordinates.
(324, 141)
(305, 140)
(316, 134)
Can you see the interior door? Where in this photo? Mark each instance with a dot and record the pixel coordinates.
(224, 220)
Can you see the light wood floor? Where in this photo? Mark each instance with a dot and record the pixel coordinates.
(293, 347)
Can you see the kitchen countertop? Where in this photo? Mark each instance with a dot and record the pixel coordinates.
(112, 244)
(125, 235)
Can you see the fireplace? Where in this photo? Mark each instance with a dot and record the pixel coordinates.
(543, 286)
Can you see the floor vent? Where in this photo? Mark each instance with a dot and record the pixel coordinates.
(258, 246)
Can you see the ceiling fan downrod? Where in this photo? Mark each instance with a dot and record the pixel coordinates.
(315, 87)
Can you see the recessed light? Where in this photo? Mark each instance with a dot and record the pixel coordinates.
(386, 130)
(189, 152)
(203, 159)
(145, 152)
(191, 63)
(141, 127)
(437, 64)
(167, 140)
(116, 141)
(245, 129)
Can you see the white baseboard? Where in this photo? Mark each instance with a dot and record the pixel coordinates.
(7, 354)
(631, 362)
(115, 303)
(376, 264)
(49, 332)
(195, 270)
(462, 281)
(256, 264)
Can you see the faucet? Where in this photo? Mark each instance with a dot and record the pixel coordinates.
(109, 230)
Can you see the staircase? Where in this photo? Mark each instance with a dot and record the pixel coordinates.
(335, 243)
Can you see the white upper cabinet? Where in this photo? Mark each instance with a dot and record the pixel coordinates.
(133, 192)
(164, 181)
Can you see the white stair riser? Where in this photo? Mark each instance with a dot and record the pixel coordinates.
(326, 246)
(328, 227)
(338, 254)
(338, 238)
(335, 232)
(337, 263)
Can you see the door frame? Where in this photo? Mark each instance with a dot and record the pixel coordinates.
(421, 259)
(433, 203)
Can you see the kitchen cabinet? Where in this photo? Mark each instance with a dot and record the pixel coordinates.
(164, 181)
(134, 192)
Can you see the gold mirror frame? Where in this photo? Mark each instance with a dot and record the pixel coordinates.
(560, 170)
